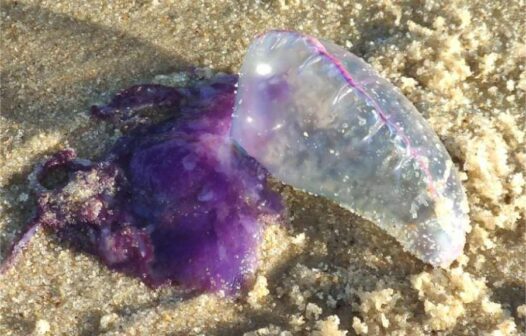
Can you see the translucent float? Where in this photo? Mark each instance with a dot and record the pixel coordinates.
(322, 120)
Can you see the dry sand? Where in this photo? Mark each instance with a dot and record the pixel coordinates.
(463, 66)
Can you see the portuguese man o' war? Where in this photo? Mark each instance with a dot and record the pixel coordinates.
(322, 120)
(184, 200)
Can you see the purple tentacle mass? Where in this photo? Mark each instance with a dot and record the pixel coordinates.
(174, 202)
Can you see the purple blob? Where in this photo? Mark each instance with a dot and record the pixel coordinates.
(175, 202)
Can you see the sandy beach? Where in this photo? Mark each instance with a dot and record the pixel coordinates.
(326, 271)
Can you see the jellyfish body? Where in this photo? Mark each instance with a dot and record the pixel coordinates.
(181, 201)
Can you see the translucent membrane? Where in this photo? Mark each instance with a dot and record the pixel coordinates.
(322, 120)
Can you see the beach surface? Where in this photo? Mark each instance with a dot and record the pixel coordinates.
(326, 271)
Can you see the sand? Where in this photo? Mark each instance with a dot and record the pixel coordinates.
(327, 272)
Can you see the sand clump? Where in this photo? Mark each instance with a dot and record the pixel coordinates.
(326, 272)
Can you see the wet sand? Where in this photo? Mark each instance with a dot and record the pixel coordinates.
(327, 271)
